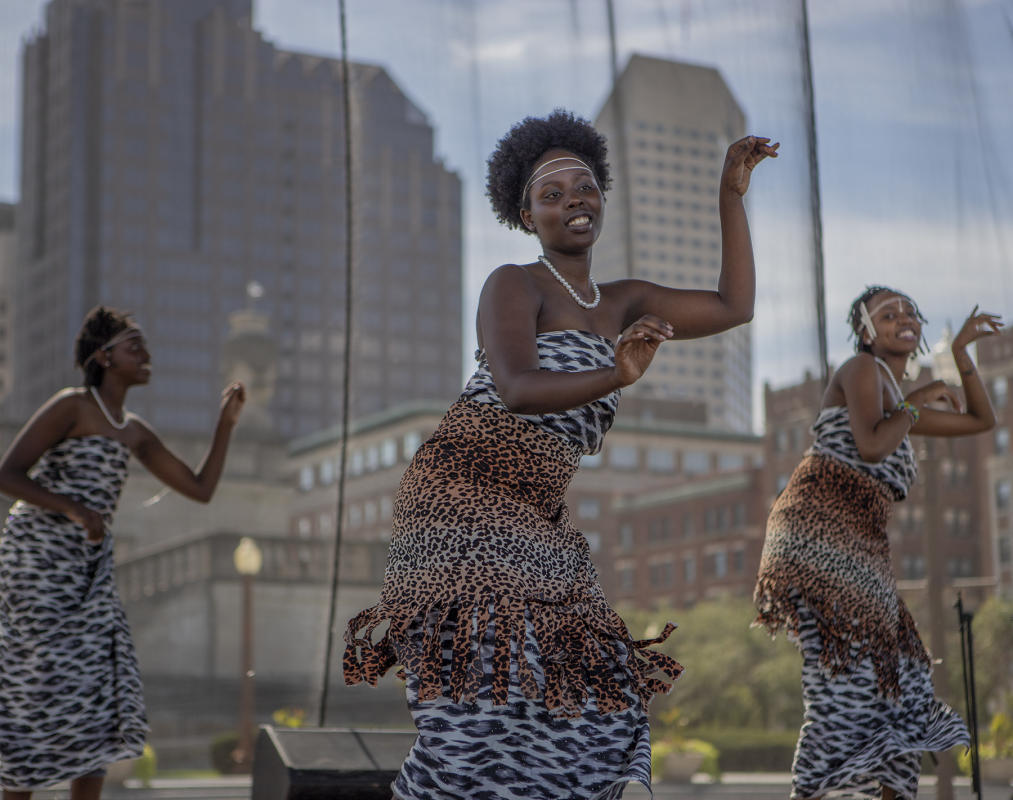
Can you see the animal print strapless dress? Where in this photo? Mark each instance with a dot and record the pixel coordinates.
(70, 693)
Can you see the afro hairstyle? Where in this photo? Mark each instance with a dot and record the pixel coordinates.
(515, 155)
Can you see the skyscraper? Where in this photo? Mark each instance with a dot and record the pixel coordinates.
(7, 254)
(171, 156)
(675, 121)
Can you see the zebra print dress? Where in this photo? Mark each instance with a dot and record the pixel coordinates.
(826, 578)
(521, 680)
(70, 692)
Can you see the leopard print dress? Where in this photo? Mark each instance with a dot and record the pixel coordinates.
(522, 681)
(826, 578)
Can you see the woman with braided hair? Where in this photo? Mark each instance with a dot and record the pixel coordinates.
(70, 694)
(521, 679)
(825, 573)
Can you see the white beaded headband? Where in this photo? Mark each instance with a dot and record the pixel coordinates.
(130, 332)
(536, 176)
(866, 315)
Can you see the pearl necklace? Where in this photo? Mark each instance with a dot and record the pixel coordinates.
(573, 292)
(105, 411)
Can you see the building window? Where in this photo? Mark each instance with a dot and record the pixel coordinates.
(592, 461)
(689, 569)
(1002, 441)
(658, 530)
(623, 457)
(410, 442)
(626, 579)
(913, 567)
(588, 508)
(1000, 390)
(326, 470)
(1003, 489)
(696, 462)
(727, 462)
(659, 460)
(625, 537)
(304, 527)
(661, 574)
(720, 564)
(593, 540)
(388, 452)
(960, 567)
(688, 525)
(306, 478)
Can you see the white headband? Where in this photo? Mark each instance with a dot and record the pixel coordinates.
(535, 176)
(130, 332)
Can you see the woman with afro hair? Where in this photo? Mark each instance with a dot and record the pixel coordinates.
(825, 573)
(521, 680)
(70, 694)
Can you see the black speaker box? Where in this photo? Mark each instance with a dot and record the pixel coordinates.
(327, 763)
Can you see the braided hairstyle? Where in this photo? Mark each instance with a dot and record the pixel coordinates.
(855, 314)
(99, 326)
(515, 155)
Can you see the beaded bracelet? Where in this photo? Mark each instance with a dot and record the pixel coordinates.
(911, 409)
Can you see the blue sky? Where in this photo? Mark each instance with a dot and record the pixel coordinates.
(912, 99)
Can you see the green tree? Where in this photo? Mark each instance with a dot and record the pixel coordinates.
(736, 676)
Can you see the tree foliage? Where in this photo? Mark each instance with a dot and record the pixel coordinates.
(736, 676)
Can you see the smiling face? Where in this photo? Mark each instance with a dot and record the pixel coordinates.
(564, 205)
(897, 322)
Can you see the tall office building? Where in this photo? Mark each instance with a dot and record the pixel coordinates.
(171, 157)
(8, 249)
(674, 121)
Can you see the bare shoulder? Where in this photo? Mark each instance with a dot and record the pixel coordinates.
(65, 405)
(515, 276)
(860, 366)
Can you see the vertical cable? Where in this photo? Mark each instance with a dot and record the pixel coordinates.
(346, 86)
(816, 214)
(620, 140)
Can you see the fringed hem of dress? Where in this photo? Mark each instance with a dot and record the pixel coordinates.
(826, 547)
(480, 530)
(578, 644)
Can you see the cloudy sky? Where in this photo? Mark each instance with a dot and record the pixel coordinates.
(912, 110)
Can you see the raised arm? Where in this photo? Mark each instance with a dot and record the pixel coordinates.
(507, 323)
(979, 415)
(697, 313)
(52, 423)
(198, 485)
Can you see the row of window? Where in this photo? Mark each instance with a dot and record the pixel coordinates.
(362, 460)
(664, 574)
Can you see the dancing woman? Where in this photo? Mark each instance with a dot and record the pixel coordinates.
(70, 695)
(825, 573)
(521, 679)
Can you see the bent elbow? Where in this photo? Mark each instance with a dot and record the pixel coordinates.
(516, 405)
(871, 456)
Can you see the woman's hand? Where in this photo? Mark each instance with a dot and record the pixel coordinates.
(935, 393)
(740, 159)
(637, 346)
(233, 398)
(976, 325)
(89, 519)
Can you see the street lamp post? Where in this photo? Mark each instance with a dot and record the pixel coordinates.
(248, 561)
